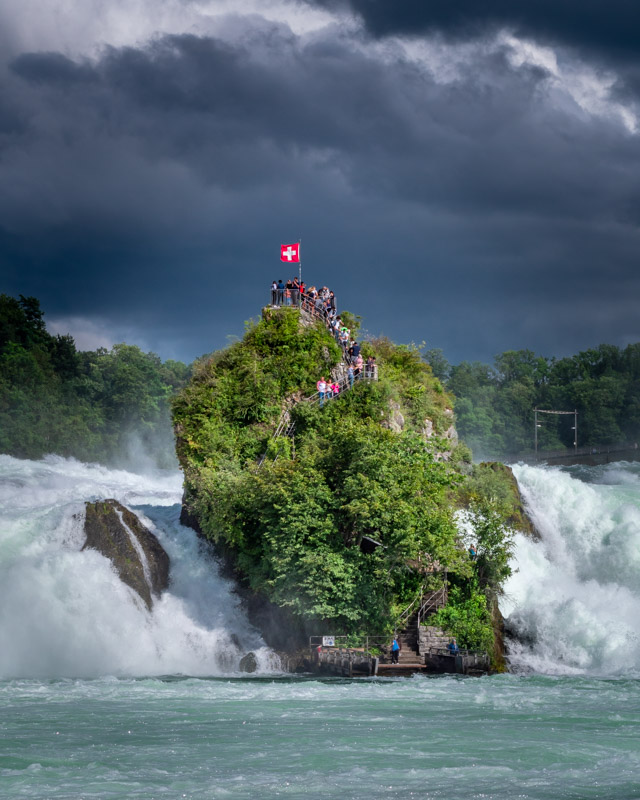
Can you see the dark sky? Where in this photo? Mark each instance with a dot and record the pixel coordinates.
(467, 174)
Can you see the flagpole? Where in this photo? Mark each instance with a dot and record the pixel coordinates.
(299, 272)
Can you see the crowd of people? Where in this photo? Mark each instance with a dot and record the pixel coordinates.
(321, 303)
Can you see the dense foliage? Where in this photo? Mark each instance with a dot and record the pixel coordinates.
(494, 404)
(293, 526)
(95, 406)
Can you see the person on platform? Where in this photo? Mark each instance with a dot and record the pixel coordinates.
(280, 292)
(274, 293)
(322, 390)
(453, 648)
(350, 375)
(295, 292)
(370, 368)
(396, 647)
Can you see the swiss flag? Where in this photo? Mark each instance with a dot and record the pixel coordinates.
(290, 252)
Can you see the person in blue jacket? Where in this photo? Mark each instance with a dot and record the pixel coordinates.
(453, 648)
(395, 651)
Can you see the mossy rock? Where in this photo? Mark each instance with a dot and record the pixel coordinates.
(492, 479)
(105, 527)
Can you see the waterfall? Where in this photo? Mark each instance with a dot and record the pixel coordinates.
(65, 613)
(573, 603)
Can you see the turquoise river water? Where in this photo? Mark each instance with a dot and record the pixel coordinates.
(101, 699)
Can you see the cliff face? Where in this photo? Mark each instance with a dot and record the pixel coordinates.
(135, 552)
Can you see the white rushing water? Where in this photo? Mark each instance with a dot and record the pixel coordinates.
(574, 601)
(65, 613)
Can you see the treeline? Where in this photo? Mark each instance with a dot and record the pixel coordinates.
(98, 405)
(494, 404)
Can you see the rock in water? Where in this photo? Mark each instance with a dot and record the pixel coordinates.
(137, 555)
(249, 663)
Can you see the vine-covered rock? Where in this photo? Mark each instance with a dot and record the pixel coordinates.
(289, 514)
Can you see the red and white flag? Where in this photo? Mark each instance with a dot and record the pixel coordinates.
(290, 253)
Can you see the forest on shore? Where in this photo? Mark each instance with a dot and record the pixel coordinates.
(495, 403)
(98, 405)
(109, 406)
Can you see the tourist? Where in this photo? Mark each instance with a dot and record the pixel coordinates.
(370, 369)
(332, 300)
(354, 350)
(350, 375)
(335, 389)
(280, 292)
(274, 293)
(359, 365)
(395, 651)
(453, 648)
(295, 293)
(288, 289)
(322, 389)
(473, 553)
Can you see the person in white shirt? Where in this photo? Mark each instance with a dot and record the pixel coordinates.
(322, 390)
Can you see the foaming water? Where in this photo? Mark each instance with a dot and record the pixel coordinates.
(65, 613)
(449, 738)
(574, 601)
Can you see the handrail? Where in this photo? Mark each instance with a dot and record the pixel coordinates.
(435, 600)
(404, 616)
(369, 372)
(426, 601)
(310, 305)
(568, 452)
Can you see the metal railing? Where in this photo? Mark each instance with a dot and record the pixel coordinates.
(425, 604)
(569, 452)
(315, 307)
(285, 427)
(344, 384)
(433, 602)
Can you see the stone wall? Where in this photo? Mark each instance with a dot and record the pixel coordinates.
(429, 636)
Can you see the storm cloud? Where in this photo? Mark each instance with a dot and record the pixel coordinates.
(610, 28)
(479, 193)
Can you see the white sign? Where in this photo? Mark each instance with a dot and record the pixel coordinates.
(328, 641)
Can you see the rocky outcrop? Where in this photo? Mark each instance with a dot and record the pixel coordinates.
(519, 518)
(249, 663)
(427, 429)
(396, 419)
(135, 552)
